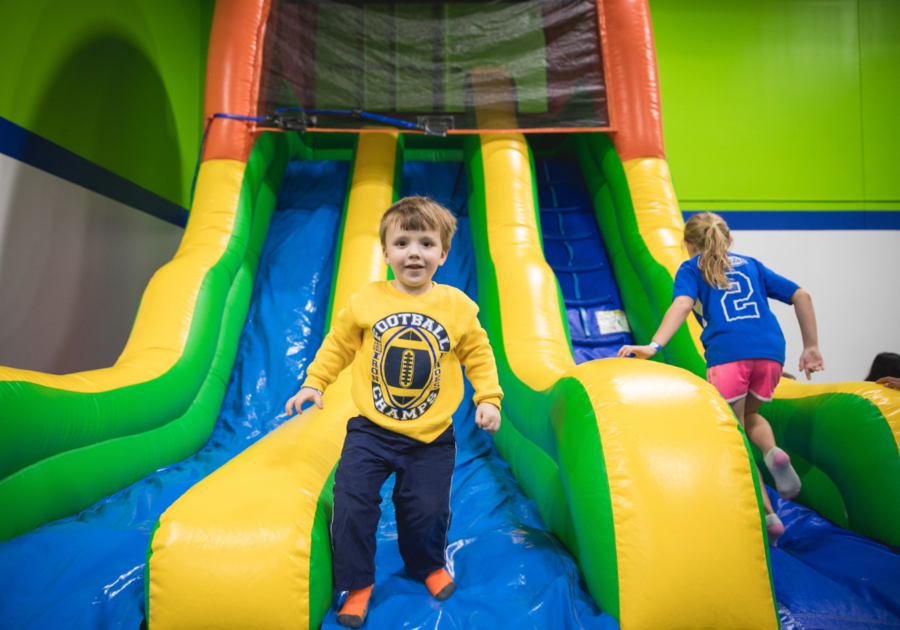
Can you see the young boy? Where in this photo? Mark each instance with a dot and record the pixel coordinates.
(406, 338)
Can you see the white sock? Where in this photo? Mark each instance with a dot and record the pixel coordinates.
(786, 480)
(774, 528)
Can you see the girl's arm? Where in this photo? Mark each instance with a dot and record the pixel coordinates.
(811, 359)
(674, 318)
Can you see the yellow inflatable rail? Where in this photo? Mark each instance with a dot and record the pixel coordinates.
(252, 539)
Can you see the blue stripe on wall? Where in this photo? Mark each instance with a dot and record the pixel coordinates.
(25, 146)
(807, 219)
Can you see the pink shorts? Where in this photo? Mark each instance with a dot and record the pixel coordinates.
(736, 379)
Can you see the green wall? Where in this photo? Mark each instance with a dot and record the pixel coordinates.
(118, 82)
(781, 104)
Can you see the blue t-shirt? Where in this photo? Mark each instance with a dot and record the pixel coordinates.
(737, 323)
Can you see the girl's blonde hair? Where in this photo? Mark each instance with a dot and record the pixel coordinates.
(709, 233)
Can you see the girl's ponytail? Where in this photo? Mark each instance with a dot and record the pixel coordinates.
(709, 233)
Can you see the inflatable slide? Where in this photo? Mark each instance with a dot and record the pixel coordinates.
(171, 490)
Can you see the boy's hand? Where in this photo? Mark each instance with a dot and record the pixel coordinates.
(641, 352)
(305, 394)
(811, 361)
(487, 417)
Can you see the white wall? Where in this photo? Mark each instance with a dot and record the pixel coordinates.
(854, 279)
(73, 267)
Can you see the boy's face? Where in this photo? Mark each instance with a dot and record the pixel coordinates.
(414, 256)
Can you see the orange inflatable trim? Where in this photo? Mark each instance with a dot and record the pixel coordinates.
(233, 76)
(632, 77)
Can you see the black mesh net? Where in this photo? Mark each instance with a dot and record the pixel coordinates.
(414, 62)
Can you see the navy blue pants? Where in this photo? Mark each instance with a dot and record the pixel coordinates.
(421, 500)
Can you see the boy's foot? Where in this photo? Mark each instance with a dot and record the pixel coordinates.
(774, 527)
(786, 480)
(356, 607)
(440, 584)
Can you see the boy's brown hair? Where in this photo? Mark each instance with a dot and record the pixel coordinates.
(419, 214)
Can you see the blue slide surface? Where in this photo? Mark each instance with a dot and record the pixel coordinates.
(829, 578)
(511, 572)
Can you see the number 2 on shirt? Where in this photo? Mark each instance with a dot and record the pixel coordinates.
(736, 301)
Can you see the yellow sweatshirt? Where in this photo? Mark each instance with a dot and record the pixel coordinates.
(407, 350)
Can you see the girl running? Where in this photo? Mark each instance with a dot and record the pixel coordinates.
(743, 341)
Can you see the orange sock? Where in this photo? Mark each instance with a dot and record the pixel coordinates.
(356, 607)
(440, 584)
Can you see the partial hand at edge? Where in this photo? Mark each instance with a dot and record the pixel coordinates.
(641, 352)
(811, 361)
(305, 394)
(487, 417)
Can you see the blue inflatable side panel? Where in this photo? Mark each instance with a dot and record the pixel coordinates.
(575, 252)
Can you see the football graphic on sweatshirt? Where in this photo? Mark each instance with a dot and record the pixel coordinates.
(406, 368)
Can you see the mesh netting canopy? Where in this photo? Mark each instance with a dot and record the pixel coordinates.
(414, 62)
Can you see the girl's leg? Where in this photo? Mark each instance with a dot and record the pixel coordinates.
(763, 381)
(733, 380)
(759, 431)
(739, 408)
